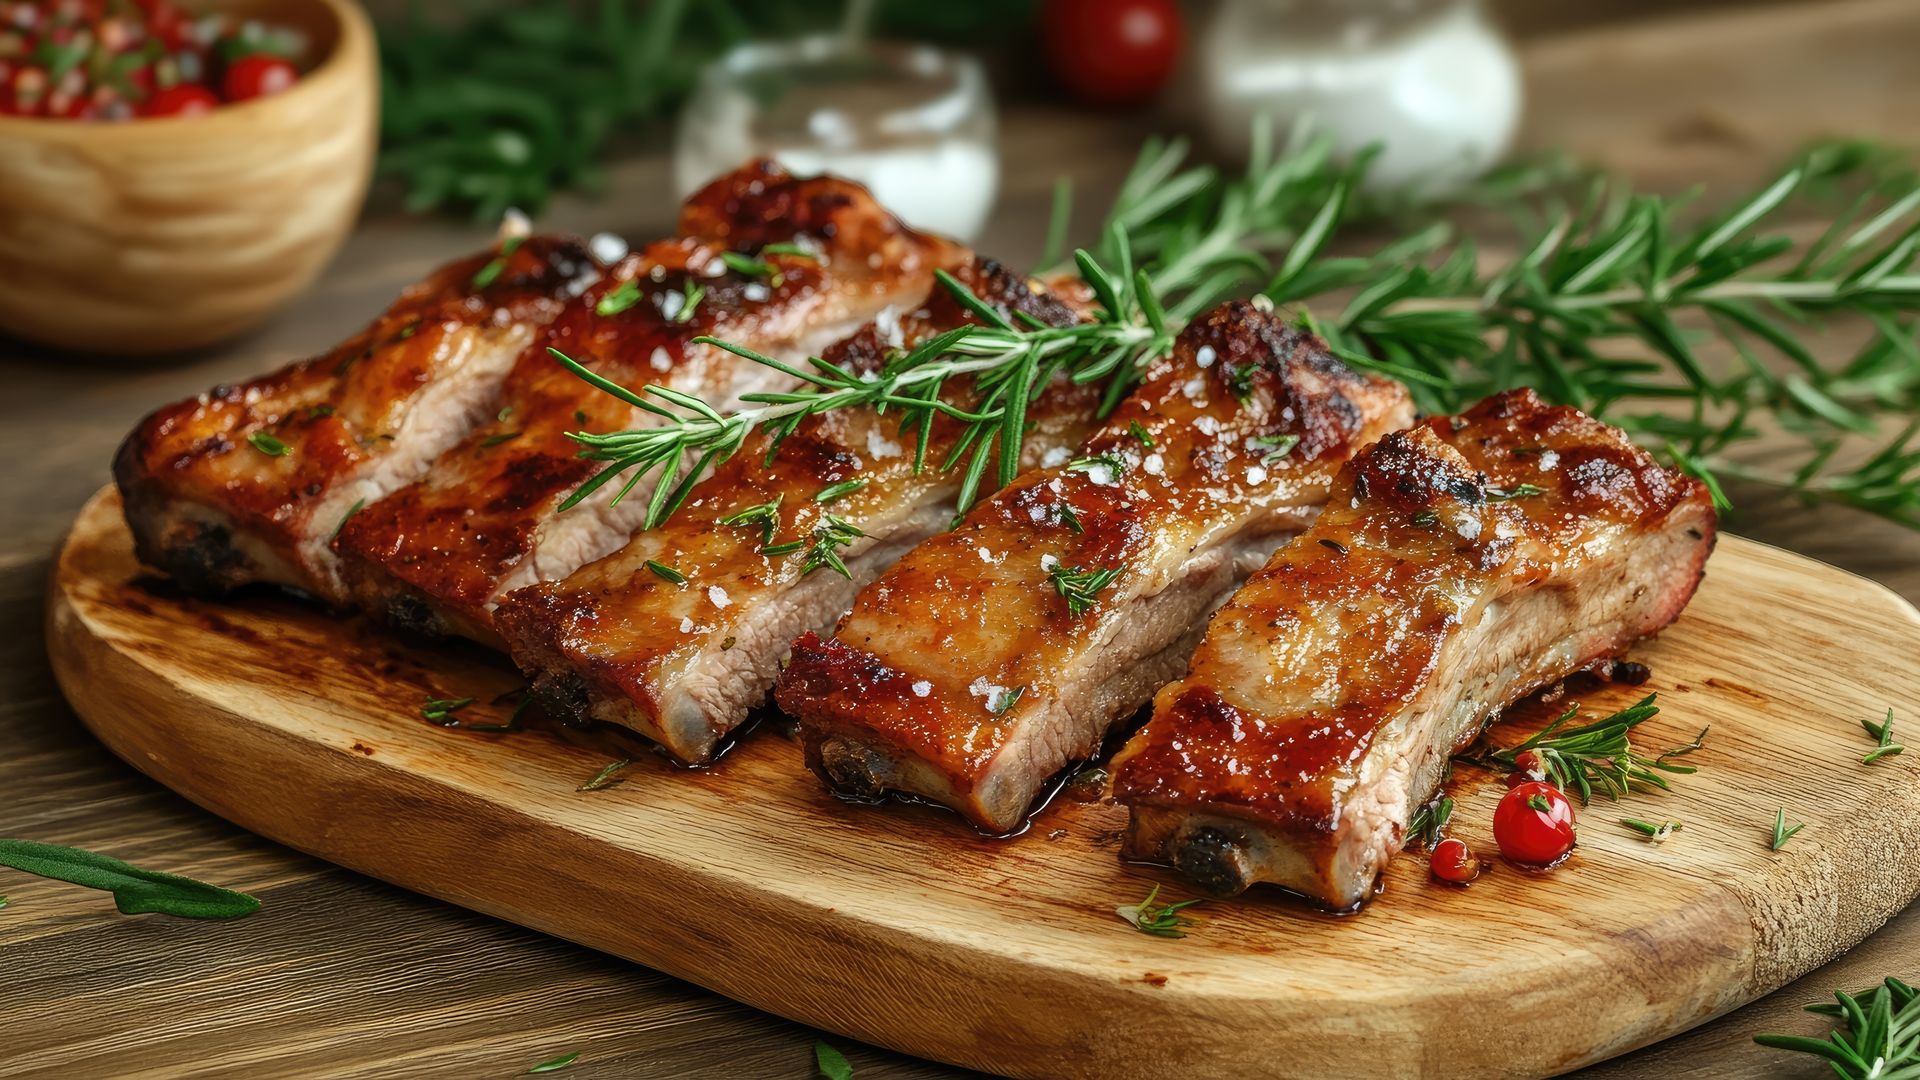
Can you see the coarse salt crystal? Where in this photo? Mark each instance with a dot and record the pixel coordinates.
(1154, 464)
(1256, 474)
(1204, 356)
(671, 303)
(660, 360)
(607, 247)
(719, 596)
(922, 688)
(1055, 457)
(756, 292)
(880, 446)
(686, 625)
(1048, 562)
(1194, 389)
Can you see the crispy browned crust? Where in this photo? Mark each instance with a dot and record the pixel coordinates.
(335, 412)
(437, 552)
(916, 669)
(617, 631)
(1410, 519)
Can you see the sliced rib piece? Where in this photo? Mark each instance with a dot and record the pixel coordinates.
(247, 483)
(993, 655)
(437, 555)
(1460, 566)
(682, 653)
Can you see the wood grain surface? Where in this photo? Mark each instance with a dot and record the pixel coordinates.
(341, 975)
(899, 925)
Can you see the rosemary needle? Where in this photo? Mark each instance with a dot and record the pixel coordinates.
(1782, 832)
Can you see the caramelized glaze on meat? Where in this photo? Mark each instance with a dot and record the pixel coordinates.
(438, 554)
(1460, 566)
(964, 675)
(683, 661)
(211, 499)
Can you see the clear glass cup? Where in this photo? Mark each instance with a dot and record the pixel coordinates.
(1432, 81)
(912, 122)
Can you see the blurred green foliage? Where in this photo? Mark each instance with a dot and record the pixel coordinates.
(512, 101)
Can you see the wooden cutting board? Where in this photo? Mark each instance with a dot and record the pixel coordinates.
(900, 927)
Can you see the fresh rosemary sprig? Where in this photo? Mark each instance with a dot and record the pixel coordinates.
(1159, 920)
(135, 891)
(440, 710)
(832, 1063)
(269, 445)
(1879, 1037)
(1595, 755)
(829, 536)
(606, 776)
(1009, 365)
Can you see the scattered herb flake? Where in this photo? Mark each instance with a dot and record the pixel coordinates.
(764, 516)
(358, 505)
(491, 272)
(439, 710)
(1007, 700)
(691, 295)
(1070, 519)
(555, 1065)
(662, 570)
(1429, 823)
(831, 535)
(1654, 832)
(1275, 446)
(1160, 920)
(1080, 588)
(785, 248)
(319, 412)
(1782, 832)
(1883, 737)
(1518, 491)
(269, 445)
(840, 490)
(496, 440)
(1424, 519)
(618, 299)
(605, 777)
(1135, 429)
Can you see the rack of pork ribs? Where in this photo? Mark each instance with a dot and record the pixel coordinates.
(1320, 598)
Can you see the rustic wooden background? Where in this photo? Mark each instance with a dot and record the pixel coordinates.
(340, 975)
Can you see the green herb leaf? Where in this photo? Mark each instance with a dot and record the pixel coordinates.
(828, 537)
(1070, 519)
(1879, 1035)
(1518, 491)
(1652, 832)
(358, 505)
(1782, 832)
(1159, 920)
(555, 1065)
(1883, 737)
(618, 299)
(605, 777)
(1596, 755)
(832, 1063)
(439, 710)
(269, 445)
(496, 440)
(1429, 825)
(1135, 429)
(1276, 446)
(765, 517)
(839, 490)
(135, 891)
(662, 570)
(491, 272)
(1080, 588)
(785, 248)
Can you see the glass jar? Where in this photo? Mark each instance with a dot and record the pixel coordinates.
(1430, 80)
(915, 124)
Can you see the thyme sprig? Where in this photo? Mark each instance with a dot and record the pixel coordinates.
(1159, 920)
(1595, 755)
(1883, 737)
(1879, 1036)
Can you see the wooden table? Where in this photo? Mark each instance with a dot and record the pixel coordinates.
(342, 975)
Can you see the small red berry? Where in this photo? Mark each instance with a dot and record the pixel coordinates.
(258, 76)
(1534, 824)
(187, 99)
(1454, 861)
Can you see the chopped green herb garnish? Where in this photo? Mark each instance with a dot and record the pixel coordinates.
(690, 297)
(839, 490)
(1781, 831)
(1160, 920)
(1135, 429)
(669, 573)
(342, 523)
(605, 777)
(835, 533)
(1425, 518)
(505, 411)
(751, 267)
(765, 517)
(1518, 491)
(1655, 832)
(1276, 446)
(785, 248)
(1114, 464)
(1429, 823)
(1070, 519)
(787, 548)
(1079, 587)
(269, 445)
(491, 272)
(619, 299)
(1883, 735)
(832, 1063)
(556, 1064)
(496, 440)
(439, 710)
(319, 412)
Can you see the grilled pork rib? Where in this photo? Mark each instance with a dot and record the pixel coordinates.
(1460, 566)
(437, 555)
(967, 674)
(247, 483)
(682, 654)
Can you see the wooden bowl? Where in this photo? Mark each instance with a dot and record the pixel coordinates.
(155, 235)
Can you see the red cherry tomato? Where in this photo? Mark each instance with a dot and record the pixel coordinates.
(257, 76)
(187, 99)
(1454, 861)
(1534, 824)
(1112, 52)
(1527, 766)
